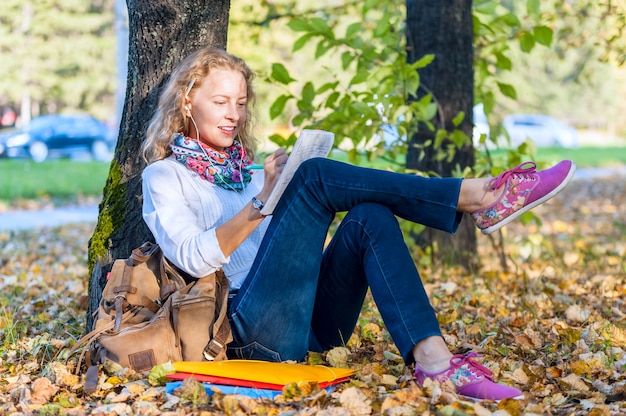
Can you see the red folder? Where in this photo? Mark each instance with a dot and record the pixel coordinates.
(243, 383)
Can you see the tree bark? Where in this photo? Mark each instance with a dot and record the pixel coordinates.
(444, 28)
(161, 33)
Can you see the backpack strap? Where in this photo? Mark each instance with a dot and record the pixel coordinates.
(91, 379)
(91, 336)
(222, 335)
(171, 278)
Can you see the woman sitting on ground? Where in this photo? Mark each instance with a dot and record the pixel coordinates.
(290, 292)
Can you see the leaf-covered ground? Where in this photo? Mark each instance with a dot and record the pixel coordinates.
(552, 322)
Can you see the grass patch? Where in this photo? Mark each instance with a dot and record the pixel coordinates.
(584, 157)
(65, 180)
(62, 180)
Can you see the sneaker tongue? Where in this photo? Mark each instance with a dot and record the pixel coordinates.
(525, 168)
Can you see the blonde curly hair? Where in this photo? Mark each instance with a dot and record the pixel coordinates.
(170, 118)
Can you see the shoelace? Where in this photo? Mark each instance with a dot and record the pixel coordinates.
(458, 361)
(519, 170)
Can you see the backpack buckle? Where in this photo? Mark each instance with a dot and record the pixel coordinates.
(212, 350)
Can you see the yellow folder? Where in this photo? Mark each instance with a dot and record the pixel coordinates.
(264, 371)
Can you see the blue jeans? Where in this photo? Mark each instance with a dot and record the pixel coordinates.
(300, 297)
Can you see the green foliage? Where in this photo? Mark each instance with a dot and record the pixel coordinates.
(376, 86)
(495, 27)
(372, 85)
(577, 79)
(59, 53)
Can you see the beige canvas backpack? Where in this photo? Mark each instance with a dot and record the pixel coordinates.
(150, 314)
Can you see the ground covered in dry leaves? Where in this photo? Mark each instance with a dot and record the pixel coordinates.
(553, 323)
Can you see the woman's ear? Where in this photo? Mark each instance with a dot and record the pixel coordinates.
(187, 106)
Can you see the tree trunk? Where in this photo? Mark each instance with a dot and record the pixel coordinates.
(162, 32)
(444, 28)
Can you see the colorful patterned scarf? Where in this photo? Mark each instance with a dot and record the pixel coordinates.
(228, 169)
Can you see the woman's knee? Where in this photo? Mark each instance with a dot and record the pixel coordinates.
(371, 212)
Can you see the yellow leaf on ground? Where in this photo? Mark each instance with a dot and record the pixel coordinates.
(355, 401)
(577, 314)
(42, 390)
(518, 376)
(573, 382)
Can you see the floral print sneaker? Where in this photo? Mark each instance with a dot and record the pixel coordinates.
(524, 189)
(471, 379)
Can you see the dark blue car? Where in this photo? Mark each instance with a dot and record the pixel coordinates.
(59, 136)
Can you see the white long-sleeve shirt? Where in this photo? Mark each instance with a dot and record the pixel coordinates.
(182, 210)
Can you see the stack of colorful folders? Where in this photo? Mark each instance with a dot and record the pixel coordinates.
(258, 379)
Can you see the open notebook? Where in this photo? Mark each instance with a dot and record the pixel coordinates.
(310, 144)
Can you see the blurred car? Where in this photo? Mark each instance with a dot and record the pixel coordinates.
(481, 126)
(544, 131)
(59, 136)
(389, 133)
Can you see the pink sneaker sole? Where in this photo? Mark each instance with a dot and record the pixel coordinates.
(524, 189)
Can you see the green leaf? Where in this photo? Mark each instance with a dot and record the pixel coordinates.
(508, 90)
(320, 26)
(486, 7)
(278, 106)
(308, 92)
(532, 7)
(489, 101)
(440, 136)
(322, 47)
(503, 62)
(279, 140)
(298, 119)
(299, 25)
(527, 42)
(369, 4)
(458, 119)
(280, 74)
(511, 20)
(423, 61)
(360, 77)
(543, 35)
(158, 373)
(411, 82)
(362, 108)
(529, 217)
(332, 98)
(327, 86)
(458, 138)
(346, 59)
(431, 111)
(353, 29)
(299, 44)
(382, 27)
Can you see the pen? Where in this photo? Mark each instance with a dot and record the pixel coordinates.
(261, 166)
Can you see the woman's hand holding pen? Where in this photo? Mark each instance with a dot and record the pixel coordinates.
(234, 231)
(273, 166)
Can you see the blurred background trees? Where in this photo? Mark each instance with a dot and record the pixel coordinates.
(57, 55)
(60, 55)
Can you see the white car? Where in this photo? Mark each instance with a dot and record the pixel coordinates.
(544, 131)
(389, 133)
(481, 126)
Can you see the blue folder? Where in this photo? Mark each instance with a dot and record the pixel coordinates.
(245, 391)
